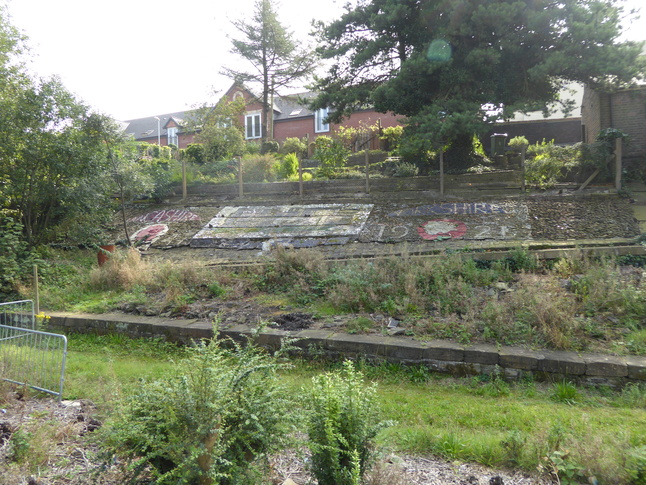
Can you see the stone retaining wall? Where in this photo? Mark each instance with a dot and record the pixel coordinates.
(439, 356)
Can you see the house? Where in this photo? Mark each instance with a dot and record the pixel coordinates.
(162, 130)
(291, 118)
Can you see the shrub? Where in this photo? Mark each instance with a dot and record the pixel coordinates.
(223, 169)
(636, 465)
(548, 164)
(405, 169)
(208, 421)
(341, 426)
(331, 154)
(270, 146)
(517, 143)
(16, 260)
(294, 145)
(252, 148)
(288, 166)
(295, 178)
(195, 153)
(392, 136)
(259, 168)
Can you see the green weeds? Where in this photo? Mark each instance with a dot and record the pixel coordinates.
(578, 303)
(486, 420)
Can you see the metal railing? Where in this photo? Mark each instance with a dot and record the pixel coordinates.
(30, 357)
(18, 314)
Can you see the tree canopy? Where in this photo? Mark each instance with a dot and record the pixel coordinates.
(450, 66)
(218, 129)
(60, 163)
(276, 61)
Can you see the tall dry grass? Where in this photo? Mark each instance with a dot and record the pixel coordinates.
(122, 271)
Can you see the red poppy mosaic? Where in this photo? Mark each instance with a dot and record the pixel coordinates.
(441, 229)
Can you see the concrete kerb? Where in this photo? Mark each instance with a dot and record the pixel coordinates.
(440, 356)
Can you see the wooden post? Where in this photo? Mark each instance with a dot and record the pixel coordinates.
(442, 170)
(36, 292)
(523, 152)
(240, 189)
(618, 163)
(184, 191)
(367, 170)
(300, 177)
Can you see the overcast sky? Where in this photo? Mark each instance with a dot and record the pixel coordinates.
(135, 58)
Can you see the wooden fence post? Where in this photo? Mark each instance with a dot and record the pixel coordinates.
(618, 163)
(300, 177)
(367, 170)
(442, 170)
(36, 292)
(240, 189)
(523, 152)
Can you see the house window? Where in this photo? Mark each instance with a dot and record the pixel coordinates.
(252, 126)
(172, 136)
(319, 120)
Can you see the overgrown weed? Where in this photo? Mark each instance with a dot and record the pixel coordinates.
(578, 303)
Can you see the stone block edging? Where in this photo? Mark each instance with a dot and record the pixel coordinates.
(437, 355)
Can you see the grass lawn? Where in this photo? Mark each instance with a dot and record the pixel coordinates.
(483, 420)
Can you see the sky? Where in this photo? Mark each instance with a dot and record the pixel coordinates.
(134, 58)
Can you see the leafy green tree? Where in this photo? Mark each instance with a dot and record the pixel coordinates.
(275, 59)
(50, 166)
(219, 131)
(452, 66)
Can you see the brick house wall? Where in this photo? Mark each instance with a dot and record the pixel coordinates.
(304, 126)
(624, 110)
(564, 131)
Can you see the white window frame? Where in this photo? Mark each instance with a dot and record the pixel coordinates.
(252, 126)
(173, 136)
(319, 116)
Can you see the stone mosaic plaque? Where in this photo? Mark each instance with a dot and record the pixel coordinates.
(297, 225)
(502, 220)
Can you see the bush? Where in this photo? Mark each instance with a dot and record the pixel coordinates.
(548, 164)
(636, 465)
(405, 169)
(331, 155)
(16, 260)
(259, 168)
(294, 145)
(517, 143)
(392, 137)
(288, 166)
(341, 427)
(252, 148)
(208, 422)
(195, 153)
(270, 146)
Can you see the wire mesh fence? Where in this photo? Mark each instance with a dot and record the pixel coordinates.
(30, 357)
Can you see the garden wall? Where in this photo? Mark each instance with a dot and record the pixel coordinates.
(440, 356)
(495, 180)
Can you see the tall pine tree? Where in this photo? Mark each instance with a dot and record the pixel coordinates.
(440, 62)
(275, 60)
